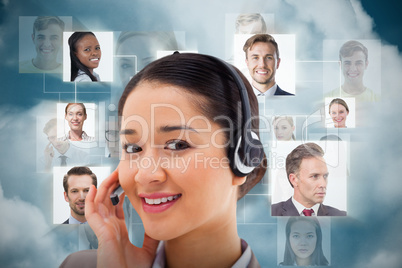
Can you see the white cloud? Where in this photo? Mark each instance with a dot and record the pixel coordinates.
(23, 242)
(384, 258)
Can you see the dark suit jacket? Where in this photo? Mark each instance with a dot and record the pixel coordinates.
(288, 209)
(279, 91)
(67, 221)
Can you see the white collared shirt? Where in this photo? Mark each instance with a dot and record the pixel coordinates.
(72, 220)
(243, 261)
(269, 93)
(300, 207)
(74, 157)
(84, 137)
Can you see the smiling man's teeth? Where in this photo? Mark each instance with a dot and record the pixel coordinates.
(160, 200)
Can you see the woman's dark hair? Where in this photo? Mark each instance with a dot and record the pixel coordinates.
(215, 94)
(317, 258)
(75, 62)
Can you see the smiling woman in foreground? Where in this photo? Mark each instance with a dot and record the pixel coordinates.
(182, 168)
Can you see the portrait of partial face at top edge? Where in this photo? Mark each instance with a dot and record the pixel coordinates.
(250, 23)
(85, 56)
(192, 184)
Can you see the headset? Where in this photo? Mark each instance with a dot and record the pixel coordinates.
(248, 152)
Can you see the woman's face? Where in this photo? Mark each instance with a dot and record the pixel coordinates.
(139, 51)
(75, 117)
(303, 239)
(338, 114)
(174, 168)
(88, 51)
(283, 130)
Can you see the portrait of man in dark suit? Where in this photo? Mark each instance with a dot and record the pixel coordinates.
(308, 175)
(76, 185)
(262, 59)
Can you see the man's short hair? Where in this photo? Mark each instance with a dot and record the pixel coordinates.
(49, 125)
(247, 18)
(264, 38)
(42, 22)
(351, 47)
(303, 151)
(79, 171)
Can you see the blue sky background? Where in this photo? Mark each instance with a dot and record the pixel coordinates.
(369, 237)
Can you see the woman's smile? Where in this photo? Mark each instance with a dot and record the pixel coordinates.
(158, 202)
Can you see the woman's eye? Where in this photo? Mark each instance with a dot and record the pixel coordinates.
(177, 145)
(132, 148)
(126, 66)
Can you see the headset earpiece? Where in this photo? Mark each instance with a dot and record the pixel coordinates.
(246, 156)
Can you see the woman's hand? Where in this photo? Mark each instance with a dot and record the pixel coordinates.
(107, 221)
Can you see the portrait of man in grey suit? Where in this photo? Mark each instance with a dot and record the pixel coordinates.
(308, 175)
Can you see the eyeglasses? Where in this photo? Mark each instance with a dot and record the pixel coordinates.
(112, 135)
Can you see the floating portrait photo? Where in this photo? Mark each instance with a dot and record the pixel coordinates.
(41, 43)
(54, 152)
(248, 24)
(135, 50)
(335, 164)
(340, 113)
(303, 241)
(285, 75)
(284, 128)
(92, 52)
(77, 186)
(352, 68)
(87, 123)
